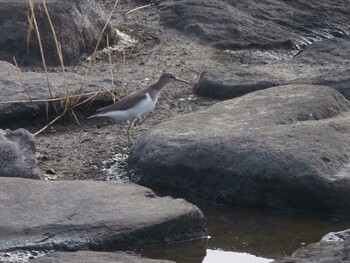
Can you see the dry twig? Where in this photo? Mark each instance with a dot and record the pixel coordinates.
(23, 83)
(97, 45)
(138, 8)
(33, 19)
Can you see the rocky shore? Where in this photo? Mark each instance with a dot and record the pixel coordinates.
(265, 125)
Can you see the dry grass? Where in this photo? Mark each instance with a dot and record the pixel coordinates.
(138, 8)
(23, 83)
(70, 101)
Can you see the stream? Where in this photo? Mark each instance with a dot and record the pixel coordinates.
(248, 236)
(238, 235)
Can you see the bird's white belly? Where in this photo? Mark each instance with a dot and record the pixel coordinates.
(137, 111)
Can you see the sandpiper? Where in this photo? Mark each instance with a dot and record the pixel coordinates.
(133, 106)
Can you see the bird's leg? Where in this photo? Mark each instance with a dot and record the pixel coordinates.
(131, 125)
(137, 121)
(127, 132)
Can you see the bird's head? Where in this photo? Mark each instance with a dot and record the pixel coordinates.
(167, 78)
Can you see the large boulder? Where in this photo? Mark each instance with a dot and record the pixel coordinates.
(284, 148)
(304, 43)
(323, 63)
(81, 215)
(228, 84)
(17, 154)
(16, 107)
(243, 24)
(78, 25)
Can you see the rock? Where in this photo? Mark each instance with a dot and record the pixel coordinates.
(223, 84)
(20, 256)
(78, 25)
(12, 91)
(82, 215)
(237, 25)
(325, 251)
(320, 252)
(92, 257)
(322, 53)
(304, 44)
(324, 63)
(284, 148)
(17, 154)
(337, 236)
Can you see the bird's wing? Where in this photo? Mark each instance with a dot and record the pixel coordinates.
(124, 103)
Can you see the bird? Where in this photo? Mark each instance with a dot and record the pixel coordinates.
(135, 105)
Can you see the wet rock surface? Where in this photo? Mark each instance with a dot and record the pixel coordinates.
(323, 63)
(20, 255)
(77, 215)
(92, 257)
(17, 154)
(337, 236)
(281, 148)
(320, 252)
(77, 25)
(243, 24)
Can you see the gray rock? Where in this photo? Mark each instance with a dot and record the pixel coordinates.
(304, 43)
(332, 252)
(243, 24)
(82, 215)
(77, 24)
(324, 63)
(283, 148)
(17, 154)
(94, 257)
(337, 236)
(12, 90)
(325, 52)
(328, 250)
(225, 84)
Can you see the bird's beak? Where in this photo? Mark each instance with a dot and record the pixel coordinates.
(181, 80)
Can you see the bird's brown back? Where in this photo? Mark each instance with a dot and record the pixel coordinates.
(126, 102)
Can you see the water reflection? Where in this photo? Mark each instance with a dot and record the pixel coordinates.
(265, 234)
(214, 256)
(248, 233)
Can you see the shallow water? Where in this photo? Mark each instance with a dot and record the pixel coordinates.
(236, 235)
(240, 235)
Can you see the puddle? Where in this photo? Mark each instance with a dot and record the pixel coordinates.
(237, 235)
(241, 235)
